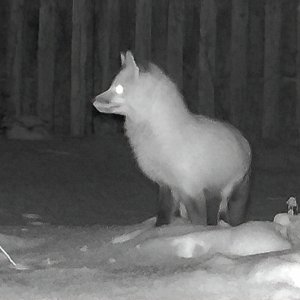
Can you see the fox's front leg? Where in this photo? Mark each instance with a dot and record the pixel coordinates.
(168, 206)
(196, 208)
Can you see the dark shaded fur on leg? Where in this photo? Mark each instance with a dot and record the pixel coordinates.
(203, 210)
(168, 207)
(237, 205)
(213, 200)
(196, 209)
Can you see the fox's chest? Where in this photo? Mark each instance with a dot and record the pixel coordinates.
(151, 152)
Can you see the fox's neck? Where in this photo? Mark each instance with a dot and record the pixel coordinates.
(164, 113)
(161, 123)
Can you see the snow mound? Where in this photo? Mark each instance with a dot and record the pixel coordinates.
(247, 239)
(186, 241)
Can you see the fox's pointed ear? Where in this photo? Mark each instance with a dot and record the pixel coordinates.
(129, 59)
(129, 62)
(122, 56)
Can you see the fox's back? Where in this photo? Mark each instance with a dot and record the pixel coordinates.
(199, 152)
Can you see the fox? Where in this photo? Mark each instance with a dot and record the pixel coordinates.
(201, 165)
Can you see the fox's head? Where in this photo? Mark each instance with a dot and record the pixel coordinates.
(139, 95)
(116, 99)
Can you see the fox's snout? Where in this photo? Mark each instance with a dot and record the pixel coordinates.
(108, 103)
(100, 100)
(102, 103)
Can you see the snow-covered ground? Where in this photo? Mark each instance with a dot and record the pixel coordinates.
(93, 181)
(84, 263)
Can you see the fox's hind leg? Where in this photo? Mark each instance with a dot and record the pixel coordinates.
(237, 204)
(168, 206)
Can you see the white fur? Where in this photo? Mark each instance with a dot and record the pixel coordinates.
(181, 150)
(186, 152)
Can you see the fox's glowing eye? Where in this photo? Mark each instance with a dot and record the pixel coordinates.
(119, 89)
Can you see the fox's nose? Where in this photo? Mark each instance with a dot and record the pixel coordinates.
(93, 100)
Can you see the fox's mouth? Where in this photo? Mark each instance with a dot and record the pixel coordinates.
(105, 105)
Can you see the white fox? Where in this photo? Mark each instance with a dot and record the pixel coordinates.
(198, 162)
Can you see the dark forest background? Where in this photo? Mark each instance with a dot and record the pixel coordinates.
(237, 60)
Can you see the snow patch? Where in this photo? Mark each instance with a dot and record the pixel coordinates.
(247, 239)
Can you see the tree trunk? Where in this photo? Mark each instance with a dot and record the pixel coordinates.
(15, 58)
(238, 69)
(81, 67)
(46, 61)
(143, 30)
(159, 33)
(271, 69)
(62, 77)
(175, 41)
(105, 26)
(298, 71)
(255, 63)
(207, 53)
